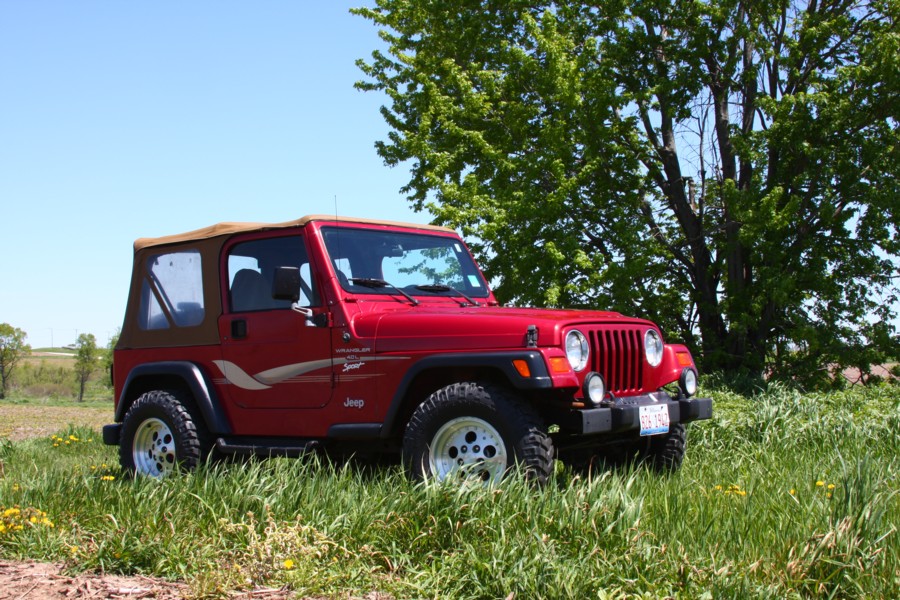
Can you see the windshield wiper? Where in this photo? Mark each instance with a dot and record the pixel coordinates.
(381, 283)
(437, 287)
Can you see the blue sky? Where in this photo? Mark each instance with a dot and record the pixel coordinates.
(121, 120)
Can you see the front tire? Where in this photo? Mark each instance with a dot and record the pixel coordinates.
(160, 436)
(472, 430)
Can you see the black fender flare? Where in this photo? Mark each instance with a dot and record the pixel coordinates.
(193, 377)
(501, 361)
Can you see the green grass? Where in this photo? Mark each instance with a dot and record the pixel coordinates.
(782, 495)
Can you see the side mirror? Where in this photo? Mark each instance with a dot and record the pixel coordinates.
(286, 285)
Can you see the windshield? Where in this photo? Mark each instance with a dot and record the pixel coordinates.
(403, 260)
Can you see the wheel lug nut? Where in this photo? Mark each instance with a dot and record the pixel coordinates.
(464, 449)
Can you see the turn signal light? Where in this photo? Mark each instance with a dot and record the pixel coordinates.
(684, 359)
(522, 367)
(560, 364)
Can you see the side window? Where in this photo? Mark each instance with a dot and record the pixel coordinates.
(251, 271)
(172, 291)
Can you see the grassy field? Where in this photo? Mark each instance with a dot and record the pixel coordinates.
(782, 495)
(49, 374)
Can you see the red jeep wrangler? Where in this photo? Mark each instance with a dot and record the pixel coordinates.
(362, 335)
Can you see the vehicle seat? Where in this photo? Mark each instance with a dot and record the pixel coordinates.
(250, 291)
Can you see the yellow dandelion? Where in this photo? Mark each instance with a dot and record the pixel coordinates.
(108, 478)
(288, 564)
(718, 488)
(830, 486)
(820, 483)
(828, 495)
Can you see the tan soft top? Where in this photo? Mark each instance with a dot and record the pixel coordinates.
(229, 228)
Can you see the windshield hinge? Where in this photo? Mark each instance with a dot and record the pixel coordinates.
(531, 337)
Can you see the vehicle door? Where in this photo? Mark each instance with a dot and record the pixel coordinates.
(273, 356)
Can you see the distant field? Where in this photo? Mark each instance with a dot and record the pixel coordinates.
(54, 355)
(24, 416)
(20, 421)
(47, 376)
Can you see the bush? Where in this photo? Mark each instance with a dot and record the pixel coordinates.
(47, 390)
(44, 380)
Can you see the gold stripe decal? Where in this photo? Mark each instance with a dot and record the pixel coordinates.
(266, 379)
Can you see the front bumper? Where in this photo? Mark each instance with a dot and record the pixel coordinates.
(625, 415)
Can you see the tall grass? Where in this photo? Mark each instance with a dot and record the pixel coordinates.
(782, 495)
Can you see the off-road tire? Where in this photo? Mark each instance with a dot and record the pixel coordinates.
(477, 425)
(160, 435)
(665, 453)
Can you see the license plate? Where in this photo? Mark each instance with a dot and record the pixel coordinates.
(654, 419)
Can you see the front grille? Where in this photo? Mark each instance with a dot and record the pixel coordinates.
(618, 355)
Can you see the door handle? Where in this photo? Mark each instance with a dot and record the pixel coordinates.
(239, 329)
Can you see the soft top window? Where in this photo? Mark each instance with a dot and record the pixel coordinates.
(172, 291)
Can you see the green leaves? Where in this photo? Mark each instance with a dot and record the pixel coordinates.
(727, 169)
(86, 357)
(12, 349)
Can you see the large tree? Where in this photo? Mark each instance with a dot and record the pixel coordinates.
(729, 169)
(12, 349)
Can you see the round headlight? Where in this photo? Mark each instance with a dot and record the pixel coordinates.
(594, 388)
(689, 382)
(653, 347)
(577, 350)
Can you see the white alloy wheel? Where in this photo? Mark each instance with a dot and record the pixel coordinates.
(153, 450)
(471, 447)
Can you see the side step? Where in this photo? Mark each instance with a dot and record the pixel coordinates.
(290, 448)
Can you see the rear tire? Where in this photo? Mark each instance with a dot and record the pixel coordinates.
(161, 436)
(480, 431)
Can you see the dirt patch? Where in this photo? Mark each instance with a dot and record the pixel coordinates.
(18, 423)
(46, 580)
(34, 580)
